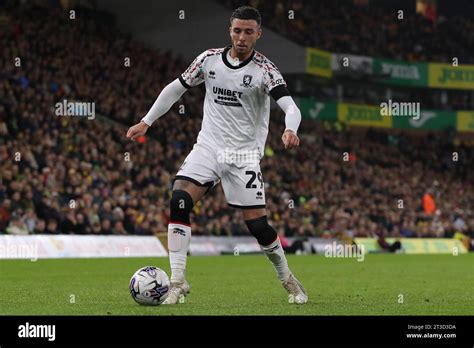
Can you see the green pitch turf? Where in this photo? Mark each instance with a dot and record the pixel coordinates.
(246, 285)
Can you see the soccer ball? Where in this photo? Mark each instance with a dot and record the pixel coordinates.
(149, 286)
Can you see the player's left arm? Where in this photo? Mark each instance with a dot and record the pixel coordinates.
(292, 121)
(275, 85)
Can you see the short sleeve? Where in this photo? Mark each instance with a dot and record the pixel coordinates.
(194, 74)
(272, 77)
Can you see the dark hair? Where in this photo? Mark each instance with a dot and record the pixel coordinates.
(246, 12)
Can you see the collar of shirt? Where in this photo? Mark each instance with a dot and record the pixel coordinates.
(233, 61)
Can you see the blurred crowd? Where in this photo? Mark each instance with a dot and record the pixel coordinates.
(373, 29)
(63, 174)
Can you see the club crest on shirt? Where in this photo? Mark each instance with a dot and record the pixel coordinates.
(246, 81)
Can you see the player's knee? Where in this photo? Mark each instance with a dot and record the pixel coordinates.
(261, 230)
(181, 204)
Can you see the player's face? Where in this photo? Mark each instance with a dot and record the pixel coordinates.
(244, 34)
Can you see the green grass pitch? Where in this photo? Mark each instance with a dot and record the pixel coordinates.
(246, 285)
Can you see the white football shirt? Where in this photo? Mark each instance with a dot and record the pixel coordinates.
(237, 103)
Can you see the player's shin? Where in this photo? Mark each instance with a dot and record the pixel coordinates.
(276, 255)
(179, 233)
(270, 245)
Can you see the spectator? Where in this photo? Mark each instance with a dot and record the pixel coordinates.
(106, 227)
(40, 227)
(118, 228)
(17, 226)
(52, 227)
(81, 226)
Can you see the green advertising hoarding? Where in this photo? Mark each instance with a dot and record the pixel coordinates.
(429, 119)
(312, 109)
(369, 116)
(395, 72)
(399, 72)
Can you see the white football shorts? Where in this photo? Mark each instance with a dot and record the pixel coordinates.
(239, 172)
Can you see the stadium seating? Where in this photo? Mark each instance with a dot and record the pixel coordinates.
(340, 26)
(310, 191)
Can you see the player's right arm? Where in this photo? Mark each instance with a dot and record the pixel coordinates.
(168, 96)
(193, 76)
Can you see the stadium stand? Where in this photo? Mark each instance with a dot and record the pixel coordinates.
(342, 26)
(65, 158)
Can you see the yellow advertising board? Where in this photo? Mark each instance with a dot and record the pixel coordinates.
(362, 115)
(465, 121)
(418, 245)
(449, 76)
(318, 62)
